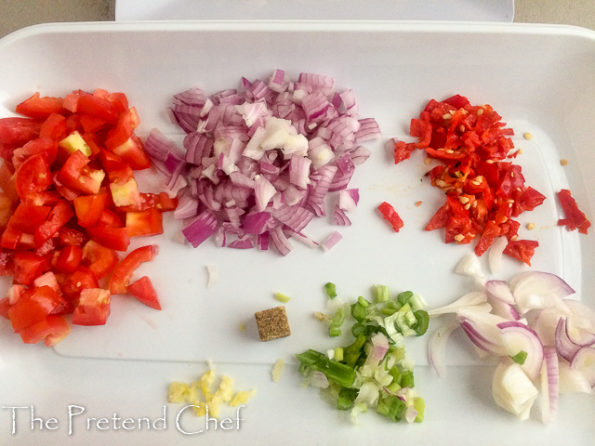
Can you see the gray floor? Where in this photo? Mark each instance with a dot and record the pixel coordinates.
(15, 14)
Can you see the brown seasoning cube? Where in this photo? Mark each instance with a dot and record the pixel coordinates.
(272, 323)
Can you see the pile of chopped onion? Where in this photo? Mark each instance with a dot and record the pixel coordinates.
(259, 161)
(545, 341)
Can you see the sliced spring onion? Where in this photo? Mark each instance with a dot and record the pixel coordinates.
(282, 297)
(330, 289)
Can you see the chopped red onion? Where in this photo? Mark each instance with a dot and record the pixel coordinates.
(262, 160)
(331, 240)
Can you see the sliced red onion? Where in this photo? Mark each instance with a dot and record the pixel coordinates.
(549, 385)
(200, 228)
(186, 116)
(340, 218)
(437, 347)
(410, 414)
(469, 266)
(280, 241)
(368, 131)
(316, 81)
(572, 380)
(295, 218)
(495, 253)
(299, 171)
(467, 300)
(584, 361)
(192, 96)
(499, 289)
(331, 240)
(263, 241)
(564, 345)
(582, 316)
(187, 208)
(535, 290)
(518, 337)
(503, 309)
(277, 82)
(256, 223)
(158, 146)
(242, 243)
(305, 240)
(263, 191)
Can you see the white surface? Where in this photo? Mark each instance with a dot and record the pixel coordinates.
(462, 10)
(394, 69)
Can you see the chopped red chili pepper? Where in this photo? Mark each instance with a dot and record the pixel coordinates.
(574, 217)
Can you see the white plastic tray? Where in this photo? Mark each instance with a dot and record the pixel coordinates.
(394, 69)
(461, 10)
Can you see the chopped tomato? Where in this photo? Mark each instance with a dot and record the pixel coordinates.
(69, 259)
(144, 223)
(43, 145)
(131, 151)
(54, 127)
(27, 218)
(97, 107)
(52, 329)
(88, 208)
(390, 215)
(60, 214)
(17, 131)
(34, 306)
(76, 175)
(33, 176)
(55, 164)
(93, 307)
(74, 283)
(71, 236)
(28, 266)
(99, 259)
(38, 107)
(109, 236)
(143, 290)
(123, 272)
(574, 217)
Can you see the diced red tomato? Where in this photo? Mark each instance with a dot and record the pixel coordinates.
(71, 236)
(123, 272)
(34, 306)
(574, 217)
(33, 176)
(93, 307)
(99, 259)
(76, 175)
(28, 266)
(88, 208)
(390, 215)
(144, 291)
(52, 329)
(69, 259)
(45, 146)
(54, 168)
(144, 223)
(18, 131)
(109, 236)
(81, 279)
(97, 107)
(26, 217)
(60, 214)
(54, 127)
(38, 107)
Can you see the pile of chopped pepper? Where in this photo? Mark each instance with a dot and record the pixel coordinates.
(484, 189)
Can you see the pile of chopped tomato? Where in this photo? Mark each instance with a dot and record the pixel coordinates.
(484, 189)
(69, 202)
(574, 218)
